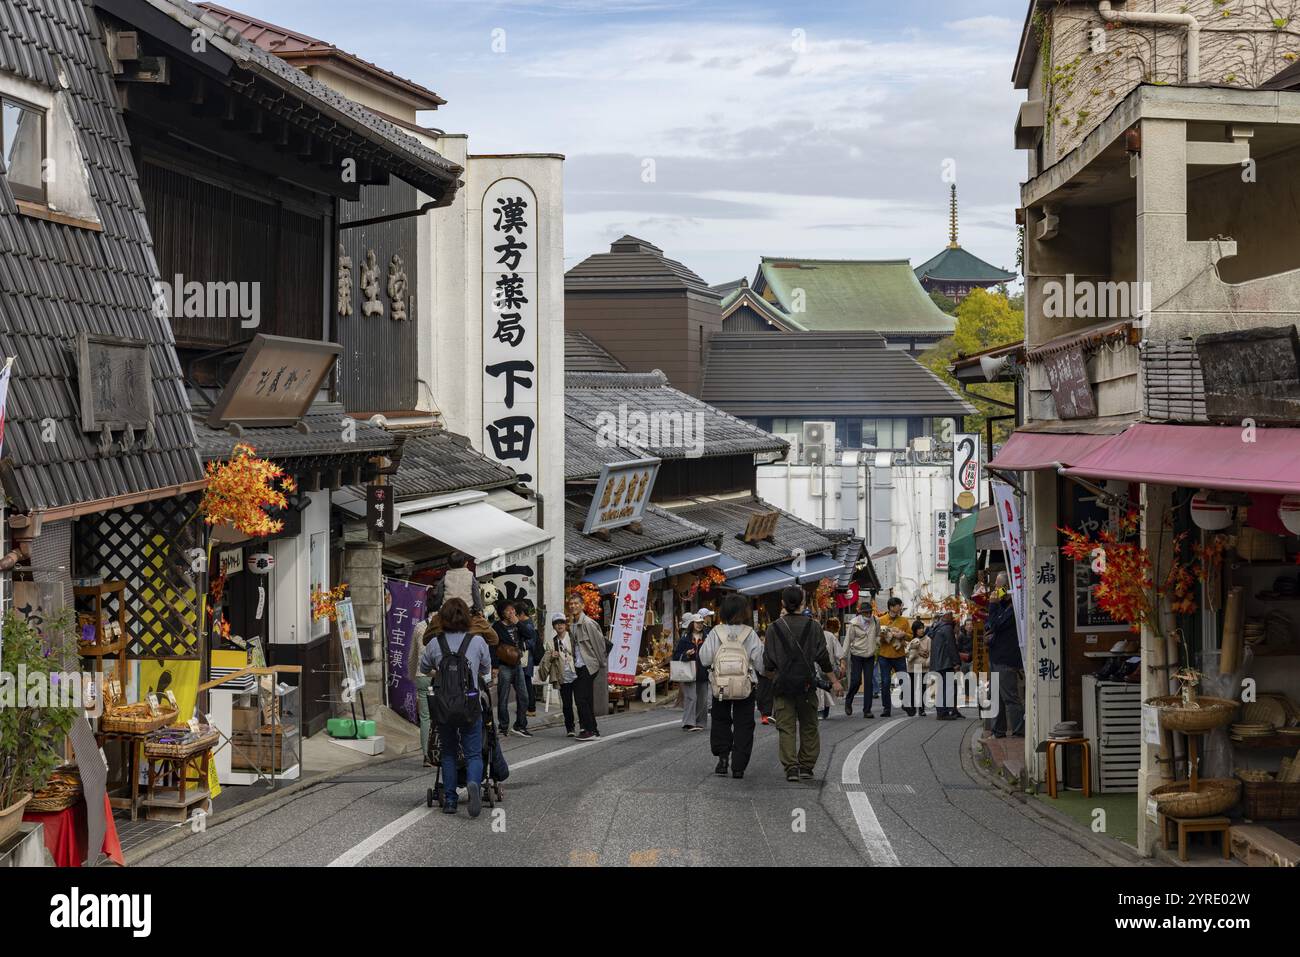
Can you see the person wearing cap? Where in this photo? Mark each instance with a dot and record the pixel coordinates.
(558, 667)
(696, 696)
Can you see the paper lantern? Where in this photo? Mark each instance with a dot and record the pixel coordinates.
(261, 563)
(1211, 516)
(1289, 511)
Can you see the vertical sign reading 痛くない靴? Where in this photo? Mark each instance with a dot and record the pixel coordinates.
(1013, 545)
(510, 327)
(628, 625)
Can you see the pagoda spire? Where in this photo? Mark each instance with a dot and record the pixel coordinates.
(952, 220)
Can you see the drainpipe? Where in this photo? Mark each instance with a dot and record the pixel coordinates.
(1110, 15)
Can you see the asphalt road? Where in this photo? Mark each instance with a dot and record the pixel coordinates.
(886, 792)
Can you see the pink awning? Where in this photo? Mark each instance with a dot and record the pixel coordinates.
(1199, 456)
(1026, 451)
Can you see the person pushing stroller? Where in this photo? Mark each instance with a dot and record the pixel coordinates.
(457, 710)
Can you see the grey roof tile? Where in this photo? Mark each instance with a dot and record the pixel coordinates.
(729, 517)
(660, 531)
(437, 462)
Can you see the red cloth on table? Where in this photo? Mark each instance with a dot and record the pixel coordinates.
(66, 836)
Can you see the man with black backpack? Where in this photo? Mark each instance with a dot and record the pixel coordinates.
(795, 648)
(462, 665)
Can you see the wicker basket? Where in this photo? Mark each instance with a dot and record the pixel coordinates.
(1271, 800)
(132, 725)
(153, 749)
(1212, 796)
(1213, 713)
(61, 791)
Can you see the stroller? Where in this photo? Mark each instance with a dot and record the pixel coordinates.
(495, 769)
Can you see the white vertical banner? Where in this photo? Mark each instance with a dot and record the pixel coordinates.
(942, 535)
(1004, 499)
(1046, 663)
(510, 330)
(629, 622)
(966, 472)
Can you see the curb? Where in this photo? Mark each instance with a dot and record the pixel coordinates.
(178, 834)
(1113, 851)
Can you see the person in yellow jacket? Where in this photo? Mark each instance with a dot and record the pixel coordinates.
(895, 632)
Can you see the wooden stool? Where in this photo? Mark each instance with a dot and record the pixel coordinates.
(1196, 825)
(172, 776)
(1052, 744)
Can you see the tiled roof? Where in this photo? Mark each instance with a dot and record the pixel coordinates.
(729, 517)
(298, 47)
(438, 462)
(742, 297)
(822, 375)
(584, 354)
(406, 157)
(660, 530)
(852, 295)
(593, 399)
(324, 437)
(633, 265)
(955, 264)
(57, 281)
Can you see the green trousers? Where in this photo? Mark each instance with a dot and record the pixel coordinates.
(797, 714)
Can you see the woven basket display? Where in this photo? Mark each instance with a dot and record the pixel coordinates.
(133, 723)
(61, 791)
(1271, 800)
(1212, 796)
(1212, 713)
(152, 749)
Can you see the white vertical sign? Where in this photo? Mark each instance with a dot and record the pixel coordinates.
(1004, 499)
(966, 472)
(1047, 618)
(942, 535)
(628, 623)
(510, 328)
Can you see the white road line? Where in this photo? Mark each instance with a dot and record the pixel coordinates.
(879, 850)
(357, 854)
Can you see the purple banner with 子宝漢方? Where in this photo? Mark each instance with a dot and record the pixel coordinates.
(403, 609)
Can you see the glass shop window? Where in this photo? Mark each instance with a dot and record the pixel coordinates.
(22, 149)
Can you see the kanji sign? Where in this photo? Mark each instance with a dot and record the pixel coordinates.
(942, 533)
(966, 472)
(621, 494)
(510, 327)
(381, 511)
(1004, 499)
(628, 622)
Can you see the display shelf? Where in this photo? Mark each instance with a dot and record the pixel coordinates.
(1285, 742)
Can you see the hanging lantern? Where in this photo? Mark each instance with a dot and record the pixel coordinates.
(261, 563)
(1289, 512)
(1210, 515)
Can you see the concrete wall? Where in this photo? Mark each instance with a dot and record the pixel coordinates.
(1243, 43)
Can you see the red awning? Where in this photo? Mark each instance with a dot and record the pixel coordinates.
(1026, 451)
(1199, 456)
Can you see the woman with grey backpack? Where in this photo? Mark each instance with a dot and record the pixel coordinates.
(734, 656)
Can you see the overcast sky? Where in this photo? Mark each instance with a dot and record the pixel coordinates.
(722, 131)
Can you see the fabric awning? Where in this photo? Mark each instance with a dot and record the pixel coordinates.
(761, 582)
(1027, 451)
(816, 567)
(605, 579)
(685, 559)
(1199, 456)
(961, 548)
(482, 531)
(731, 567)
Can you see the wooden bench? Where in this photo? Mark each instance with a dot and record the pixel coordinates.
(1196, 825)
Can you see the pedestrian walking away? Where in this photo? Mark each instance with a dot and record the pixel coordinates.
(918, 665)
(861, 644)
(945, 663)
(419, 638)
(457, 687)
(834, 648)
(895, 633)
(695, 694)
(734, 657)
(458, 582)
(590, 652)
(795, 651)
(557, 668)
(531, 643)
(511, 659)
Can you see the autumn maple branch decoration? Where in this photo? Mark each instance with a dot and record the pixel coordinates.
(1129, 591)
(325, 602)
(240, 491)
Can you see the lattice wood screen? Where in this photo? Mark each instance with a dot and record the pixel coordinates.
(145, 546)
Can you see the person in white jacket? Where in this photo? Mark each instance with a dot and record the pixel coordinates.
(834, 648)
(862, 642)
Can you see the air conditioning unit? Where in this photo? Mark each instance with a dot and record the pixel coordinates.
(818, 434)
(922, 445)
(792, 456)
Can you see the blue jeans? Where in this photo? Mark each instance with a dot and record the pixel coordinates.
(507, 678)
(887, 668)
(470, 740)
(862, 671)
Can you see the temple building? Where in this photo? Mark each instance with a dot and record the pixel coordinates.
(955, 272)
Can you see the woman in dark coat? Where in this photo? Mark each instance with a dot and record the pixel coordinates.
(944, 662)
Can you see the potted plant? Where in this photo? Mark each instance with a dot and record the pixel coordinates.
(31, 738)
